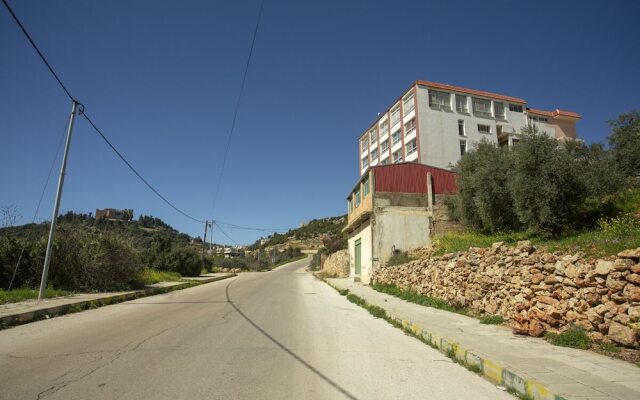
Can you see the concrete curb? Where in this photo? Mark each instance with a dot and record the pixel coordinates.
(494, 371)
(55, 311)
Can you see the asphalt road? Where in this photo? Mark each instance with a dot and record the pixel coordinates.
(275, 335)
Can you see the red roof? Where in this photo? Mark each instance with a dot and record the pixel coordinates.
(555, 113)
(475, 92)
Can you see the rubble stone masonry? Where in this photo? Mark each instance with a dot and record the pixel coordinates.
(535, 291)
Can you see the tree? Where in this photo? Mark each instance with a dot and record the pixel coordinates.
(485, 202)
(9, 215)
(545, 184)
(624, 142)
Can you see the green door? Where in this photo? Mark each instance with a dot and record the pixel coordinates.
(358, 257)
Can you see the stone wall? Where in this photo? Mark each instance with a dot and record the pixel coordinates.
(534, 290)
(337, 265)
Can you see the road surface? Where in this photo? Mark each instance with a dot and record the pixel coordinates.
(274, 335)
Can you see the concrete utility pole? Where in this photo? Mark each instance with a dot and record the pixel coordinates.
(56, 206)
(204, 241)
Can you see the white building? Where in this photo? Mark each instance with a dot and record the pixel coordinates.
(435, 123)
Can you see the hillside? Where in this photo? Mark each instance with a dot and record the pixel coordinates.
(311, 235)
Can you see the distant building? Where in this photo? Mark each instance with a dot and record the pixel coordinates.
(111, 214)
(435, 124)
(395, 207)
(230, 252)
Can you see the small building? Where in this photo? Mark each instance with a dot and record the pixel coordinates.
(111, 214)
(231, 252)
(392, 208)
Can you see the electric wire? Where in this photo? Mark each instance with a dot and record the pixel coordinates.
(135, 171)
(249, 228)
(44, 189)
(123, 159)
(15, 18)
(225, 233)
(237, 108)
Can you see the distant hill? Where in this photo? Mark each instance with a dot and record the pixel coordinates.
(311, 235)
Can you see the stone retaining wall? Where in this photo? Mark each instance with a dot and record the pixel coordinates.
(534, 290)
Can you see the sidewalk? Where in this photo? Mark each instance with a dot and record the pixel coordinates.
(528, 365)
(32, 310)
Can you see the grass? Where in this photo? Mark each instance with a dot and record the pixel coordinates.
(595, 244)
(343, 292)
(491, 320)
(356, 300)
(417, 298)
(609, 348)
(150, 276)
(574, 337)
(519, 395)
(15, 295)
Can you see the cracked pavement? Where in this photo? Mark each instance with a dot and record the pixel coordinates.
(276, 335)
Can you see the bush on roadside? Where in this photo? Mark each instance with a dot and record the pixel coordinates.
(183, 260)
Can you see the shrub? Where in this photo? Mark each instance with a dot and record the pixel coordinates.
(491, 320)
(355, 299)
(182, 260)
(623, 225)
(574, 337)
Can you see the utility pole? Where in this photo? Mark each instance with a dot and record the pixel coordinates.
(204, 241)
(56, 206)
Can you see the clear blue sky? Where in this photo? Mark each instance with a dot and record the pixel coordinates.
(161, 79)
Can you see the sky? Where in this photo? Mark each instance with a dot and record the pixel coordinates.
(161, 80)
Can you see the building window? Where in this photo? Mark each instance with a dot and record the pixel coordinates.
(374, 155)
(484, 128)
(365, 162)
(395, 138)
(350, 204)
(463, 147)
(461, 104)
(410, 126)
(385, 161)
(408, 103)
(498, 109)
(515, 107)
(482, 107)
(373, 135)
(364, 145)
(538, 119)
(395, 115)
(357, 195)
(439, 99)
(384, 128)
(411, 147)
(384, 146)
(461, 128)
(397, 156)
(365, 188)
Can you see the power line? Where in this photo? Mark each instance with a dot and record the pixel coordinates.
(249, 228)
(225, 233)
(127, 163)
(135, 171)
(15, 18)
(237, 108)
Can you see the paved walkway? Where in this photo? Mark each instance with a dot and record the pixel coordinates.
(527, 364)
(29, 310)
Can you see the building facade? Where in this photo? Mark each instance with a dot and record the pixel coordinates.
(111, 214)
(390, 209)
(435, 124)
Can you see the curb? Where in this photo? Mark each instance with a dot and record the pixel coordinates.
(55, 311)
(492, 370)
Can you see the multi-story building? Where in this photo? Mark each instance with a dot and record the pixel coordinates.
(435, 124)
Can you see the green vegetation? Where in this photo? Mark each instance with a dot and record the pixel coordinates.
(92, 255)
(22, 294)
(343, 292)
(414, 297)
(609, 348)
(149, 276)
(325, 228)
(574, 337)
(261, 260)
(377, 312)
(550, 189)
(519, 395)
(355, 299)
(491, 320)
(398, 258)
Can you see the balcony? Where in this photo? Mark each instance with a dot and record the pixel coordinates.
(361, 212)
